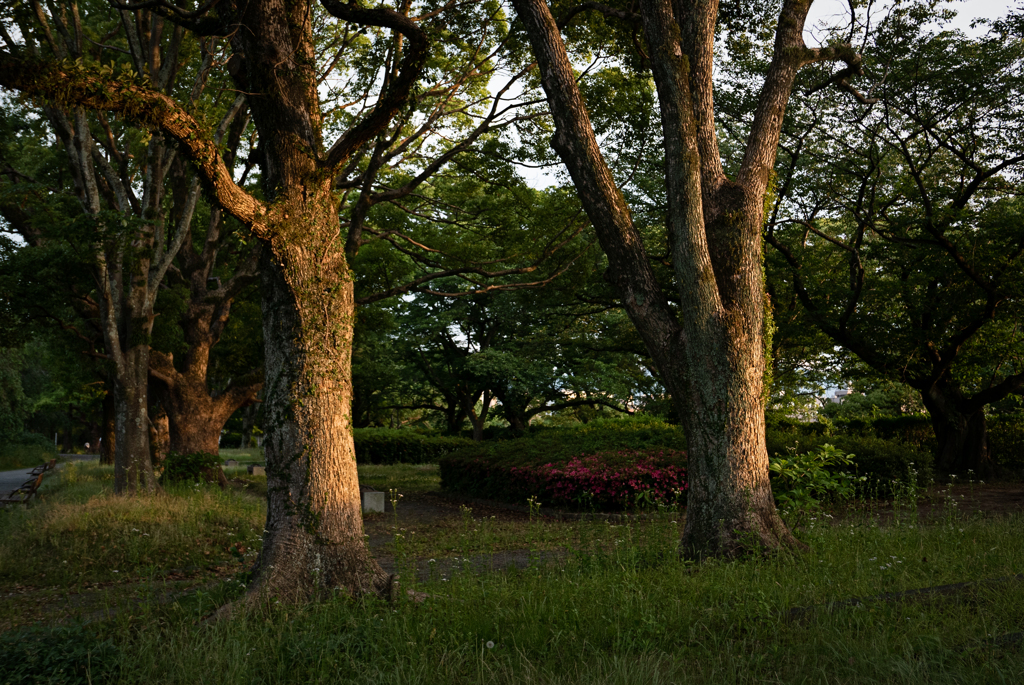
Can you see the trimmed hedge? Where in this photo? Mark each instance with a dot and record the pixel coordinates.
(559, 444)
(615, 460)
(397, 446)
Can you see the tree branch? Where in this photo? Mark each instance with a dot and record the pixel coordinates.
(397, 94)
(73, 86)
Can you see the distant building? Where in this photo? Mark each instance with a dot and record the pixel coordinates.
(839, 395)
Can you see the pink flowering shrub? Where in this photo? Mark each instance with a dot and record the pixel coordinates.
(604, 481)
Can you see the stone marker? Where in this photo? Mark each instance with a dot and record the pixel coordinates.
(373, 502)
(256, 470)
(231, 462)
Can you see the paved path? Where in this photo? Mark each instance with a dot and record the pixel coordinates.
(9, 480)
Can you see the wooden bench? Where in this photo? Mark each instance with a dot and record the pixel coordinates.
(43, 468)
(23, 494)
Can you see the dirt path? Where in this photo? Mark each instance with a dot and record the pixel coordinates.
(938, 501)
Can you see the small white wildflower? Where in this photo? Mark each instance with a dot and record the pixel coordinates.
(490, 644)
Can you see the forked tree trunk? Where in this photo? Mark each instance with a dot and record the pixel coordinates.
(961, 434)
(730, 506)
(710, 355)
(196, 418)
(478, 420)
(313, 542)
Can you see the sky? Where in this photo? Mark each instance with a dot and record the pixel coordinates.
(966, 11)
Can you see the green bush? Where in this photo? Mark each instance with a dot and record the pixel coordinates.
(804, 480)
(28, 451)
(397, 446)
(882, 461)
(56, 655)
(483, 469)
(190, 468)
(1006, 441)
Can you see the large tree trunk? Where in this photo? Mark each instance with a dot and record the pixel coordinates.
(313, 540)
(133, 470)
(730, 507)
(961, 433)
(314, 533)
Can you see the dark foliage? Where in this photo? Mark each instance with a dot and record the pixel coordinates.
(190, 468)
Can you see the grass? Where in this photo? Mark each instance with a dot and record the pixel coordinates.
(621, 608)
(406, 478)
(246, 456)
(635, 614)
(82, 534)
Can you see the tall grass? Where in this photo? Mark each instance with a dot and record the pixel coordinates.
(82, 532)
(620, 608)
(636, 614)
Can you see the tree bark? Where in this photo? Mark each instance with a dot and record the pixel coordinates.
(159, 436)
(109, 440)
(314, 533)
(196, 417)
(133, 470)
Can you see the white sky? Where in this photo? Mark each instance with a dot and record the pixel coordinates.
(966, 10)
